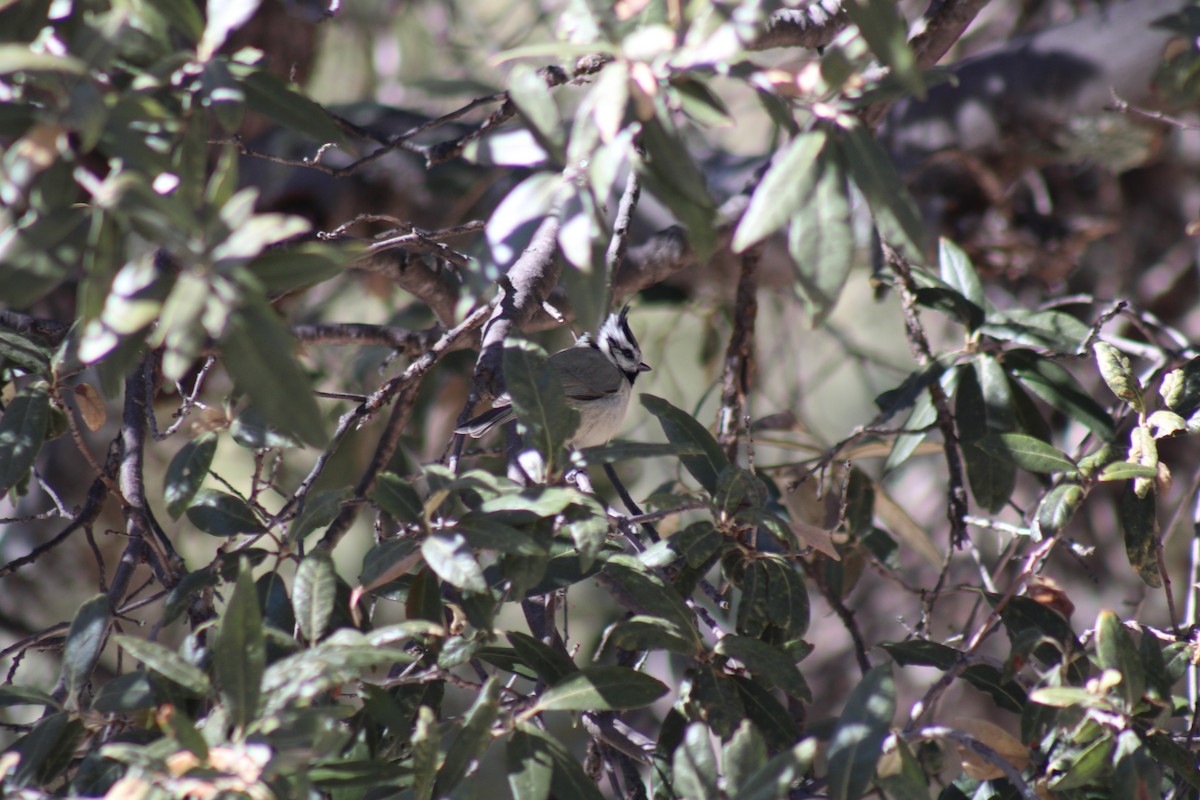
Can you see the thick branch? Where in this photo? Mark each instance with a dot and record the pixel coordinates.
(739, 355)
(813, 27)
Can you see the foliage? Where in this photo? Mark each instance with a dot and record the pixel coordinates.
(273, 663)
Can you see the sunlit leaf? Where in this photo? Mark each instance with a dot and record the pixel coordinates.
(187, 472)
(859, 733)
(602, 689)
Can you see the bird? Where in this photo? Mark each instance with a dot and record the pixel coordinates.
(597, 375)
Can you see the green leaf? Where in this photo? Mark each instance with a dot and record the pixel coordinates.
(568, 779)
(1050, 330)
(451, 558)
(1115, 650)
(959, 273)
(767, 713)
(222, 18)
(896, 213)
(529, 93)
(684, 431)
(604, 688)
(424, 753)
(550, 664)
(21, 433)
(296, 267)
(268, 95)
(16, 695)
(538, 398)
(472, 740)
(85, 640)
(744, 754)
(788, 605)
(782, 192)
(239, 652)
(258, 351)
(1127, 471)
(530, 766)
(618, 451)
(881, 25)
(485, 532)
(1139, 521)
(1027, 452)
(187, 471)
(20, 58)
(127, 693)
(314, 594)
(642, 632)
(1118, 374)
(165, 662)
(669, 172)
(650, 594)
(775, 778)
(389, 560)
(320, 509)
(859, 733)
(1060, 389)
(820, 235)
(983, 406)
(766, 663)
(220, 514)
(693, 765)
(24, 354)
(1057, 508)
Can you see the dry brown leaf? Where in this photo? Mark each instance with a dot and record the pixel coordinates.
(91, 406)
(975, 766)
(906, 528)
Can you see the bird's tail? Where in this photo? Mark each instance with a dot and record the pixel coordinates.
(478, 426)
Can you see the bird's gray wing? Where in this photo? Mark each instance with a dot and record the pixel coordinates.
(586, 373)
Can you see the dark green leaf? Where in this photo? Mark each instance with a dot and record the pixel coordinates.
(1060, 389)
(550, 664)
(618, 451)
(896, 213)
(124, 694)
(187, 471)
(858, 736)
(952, 303)
(320, 509)
(978, 413)
(286, 270)
(672, 175)
(1139, 521)
(718, 699)
(530, 766)
(820, 234)
(252, 431)
(424, 754)
(642, 632)
(239, 653)
(398, 498)
(268, 95)
(538, 398)
(24, 354)
(221, 514)
(258, 351)
(766, 663)
(389, 560)
(1051, 330)
(602, 689)
(17, 695)
(37, 749)
(886, 32)
(1115, 650)
(569, 780)
(922, 652)
(1174, 756)
(313, 594)
(761, 708)
(783, 191)
(693, 765)
(1026, 452)
(472, 740)
(684, 431)
(788, 606)
(165, 662)
(484, 532)
(753, 614)
(648, 593)
(776, 777)
(21, 433)
(85, 640)
(451, 558)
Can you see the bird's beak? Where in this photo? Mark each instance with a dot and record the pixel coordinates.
(643, 367)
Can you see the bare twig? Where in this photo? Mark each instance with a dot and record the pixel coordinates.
(739, 356)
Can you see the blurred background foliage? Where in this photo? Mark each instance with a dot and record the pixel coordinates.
(923, 376)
